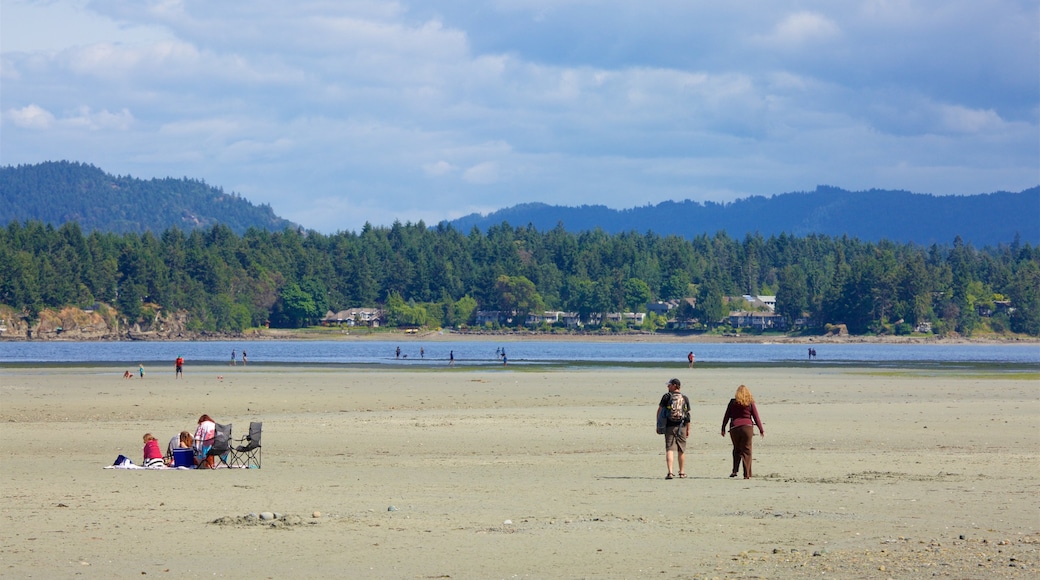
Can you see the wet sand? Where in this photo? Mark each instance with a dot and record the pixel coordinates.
(520, 472)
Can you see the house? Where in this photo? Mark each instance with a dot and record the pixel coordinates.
(662, 308)
(629, 318)
(998, 307)
(354, 317)
(494, 317)
(769, 301)
(761, 302)
(571, 320)
(547, 317)
(756, 320)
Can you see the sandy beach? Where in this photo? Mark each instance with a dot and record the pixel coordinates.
(522, 473)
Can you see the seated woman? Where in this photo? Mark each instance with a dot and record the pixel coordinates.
(152, 456)
(203, 441)
(182, 441)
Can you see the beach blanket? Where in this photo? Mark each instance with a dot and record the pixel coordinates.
(124, 462)
(132, 466)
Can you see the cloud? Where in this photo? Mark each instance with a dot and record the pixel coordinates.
(800, 29)
(30, 117)
(100, 120)
(438, 168)
(482, 173)
(35, 117)
(338, 113)
(969, 121)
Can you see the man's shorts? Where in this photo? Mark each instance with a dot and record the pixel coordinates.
(675, 438)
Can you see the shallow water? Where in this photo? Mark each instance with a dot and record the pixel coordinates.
(521, 353)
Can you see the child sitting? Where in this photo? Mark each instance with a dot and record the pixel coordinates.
(152, 455)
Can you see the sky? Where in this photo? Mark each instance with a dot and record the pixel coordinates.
(342, 112)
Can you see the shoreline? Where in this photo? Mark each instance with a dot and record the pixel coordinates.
(922, 368)
(260, 335)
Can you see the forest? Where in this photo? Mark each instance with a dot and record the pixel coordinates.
(899, 216)
(439, 277)
(57, 192)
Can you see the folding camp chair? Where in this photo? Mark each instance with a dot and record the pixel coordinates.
(248, 455)
(221, 445)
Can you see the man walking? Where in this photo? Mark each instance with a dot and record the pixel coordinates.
(676, 407)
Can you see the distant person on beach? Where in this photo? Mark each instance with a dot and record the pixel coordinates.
(677, 428)
(451, 359)
(179, 365)
(128, 375)
(397, 353)
(422, 352)
(504, 358)
(244, 360)
(689, 359)
(152, 456)
(742, 415)
(140, 369)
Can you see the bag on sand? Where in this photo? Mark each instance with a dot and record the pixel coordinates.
(123, 461)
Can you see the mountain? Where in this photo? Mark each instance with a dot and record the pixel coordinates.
(56, 192)
(984, 219)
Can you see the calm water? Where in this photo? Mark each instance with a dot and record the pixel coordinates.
(533, 352)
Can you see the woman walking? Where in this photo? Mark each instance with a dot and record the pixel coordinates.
(742, 415)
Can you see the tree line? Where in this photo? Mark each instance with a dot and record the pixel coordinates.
(57, 192)
(439, 277)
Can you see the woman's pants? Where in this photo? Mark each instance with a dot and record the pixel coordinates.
(741, 437)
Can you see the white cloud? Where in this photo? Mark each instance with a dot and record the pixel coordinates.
(54, 25)
(341, 112)
(964, 120)
(30, 117)
(100, 120)
(482, 173)
(800, 29)
(109, 61)
(438, 168)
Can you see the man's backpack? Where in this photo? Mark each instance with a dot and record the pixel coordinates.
(677, 408)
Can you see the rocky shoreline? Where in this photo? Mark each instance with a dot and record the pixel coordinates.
(103, 325)
(135, 334)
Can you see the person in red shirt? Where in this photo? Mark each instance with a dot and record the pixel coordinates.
(742, 415)
(152, 454)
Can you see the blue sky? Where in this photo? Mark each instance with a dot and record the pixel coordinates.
(338, 113)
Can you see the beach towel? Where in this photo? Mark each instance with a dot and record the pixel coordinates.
(159, 467)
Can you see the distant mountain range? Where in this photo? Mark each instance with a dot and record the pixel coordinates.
(57, 192)
(984, 219)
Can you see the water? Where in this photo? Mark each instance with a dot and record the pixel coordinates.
(528, 352)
